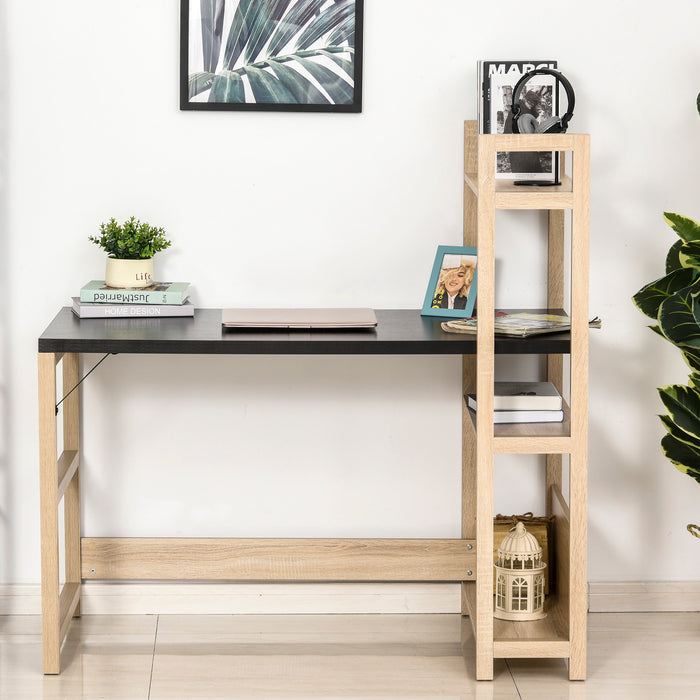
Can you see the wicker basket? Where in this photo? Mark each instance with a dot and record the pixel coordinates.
(542, 527)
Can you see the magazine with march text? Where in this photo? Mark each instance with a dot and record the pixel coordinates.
(538, 98)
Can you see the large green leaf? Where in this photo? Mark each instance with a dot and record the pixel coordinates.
(304, 91)
(692, 359)
(673, 261)
(338, 89)
(689, 254)
(682, 456)
(649, 298)
(677, 320)
(227, 87)
(326, 22)
(267, 88)
(686, 228)
(683, 406)
(679, 434)
(199, 82)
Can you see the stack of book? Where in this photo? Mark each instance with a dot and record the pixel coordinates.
(524, 402)
(159, 299)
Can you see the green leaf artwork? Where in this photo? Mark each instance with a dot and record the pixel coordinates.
(293, 54)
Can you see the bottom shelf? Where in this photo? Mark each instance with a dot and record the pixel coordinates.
(543, 639)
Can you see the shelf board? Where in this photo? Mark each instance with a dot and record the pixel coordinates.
(545, 638)
(511, 196)
(541, 639)
(530, 438)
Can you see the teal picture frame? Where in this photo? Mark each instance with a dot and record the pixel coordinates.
(451, 264)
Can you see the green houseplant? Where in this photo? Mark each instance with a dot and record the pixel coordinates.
(673, 302)
(130, 248)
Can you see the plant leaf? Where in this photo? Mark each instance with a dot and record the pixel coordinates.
(326, 22)
(683, 405)
(689, 254)
(686, 228)
(304, 91)
(239, 33)
(199, 82)
(267, 88)
(677, 320)
(264, 24)
(337, 56)
(679, 434)
(692, 359)
(672, 257)
(212, 25)
(344, 32)
(293, 23)
(682, 456)
(649, 298)
(338, 89)
(227, 87)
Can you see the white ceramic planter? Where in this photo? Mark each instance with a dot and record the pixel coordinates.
(129, 273)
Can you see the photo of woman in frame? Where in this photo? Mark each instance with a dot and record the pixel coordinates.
(452, 288)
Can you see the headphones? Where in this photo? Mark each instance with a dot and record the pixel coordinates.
(527, 123)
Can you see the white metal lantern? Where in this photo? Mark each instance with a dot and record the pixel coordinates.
(519, 577)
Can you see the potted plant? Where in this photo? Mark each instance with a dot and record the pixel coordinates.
(130, 248)
(673, 301)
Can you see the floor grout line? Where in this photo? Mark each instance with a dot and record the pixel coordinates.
(515, 683)
(153, 658)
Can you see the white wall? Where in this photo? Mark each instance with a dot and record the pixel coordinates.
(288, 209)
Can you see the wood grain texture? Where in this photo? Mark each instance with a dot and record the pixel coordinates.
(48, 488)
(277, 559)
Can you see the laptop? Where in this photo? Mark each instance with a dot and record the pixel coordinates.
(298, 318)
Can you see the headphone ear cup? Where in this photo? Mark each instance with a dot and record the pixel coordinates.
(527, 124)
(546, 127)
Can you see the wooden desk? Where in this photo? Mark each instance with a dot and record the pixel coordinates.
(399, 332)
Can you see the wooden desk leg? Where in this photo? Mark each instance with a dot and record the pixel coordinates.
(71, 443)
(48, 478)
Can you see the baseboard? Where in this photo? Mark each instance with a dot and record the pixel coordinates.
(644, 596)
(232, 598)
(129, 598)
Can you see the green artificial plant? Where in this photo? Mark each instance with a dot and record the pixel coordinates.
(673, 301)
(131, 240)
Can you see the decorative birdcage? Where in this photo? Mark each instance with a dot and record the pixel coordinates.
(520, 577)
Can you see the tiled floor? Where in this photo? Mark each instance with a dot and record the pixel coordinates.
(183, 657)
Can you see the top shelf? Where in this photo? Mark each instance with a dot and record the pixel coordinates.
(511, 196)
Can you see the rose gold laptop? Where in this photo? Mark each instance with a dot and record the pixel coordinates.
(298, 318)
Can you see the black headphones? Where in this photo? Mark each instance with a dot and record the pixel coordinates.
(526, 123)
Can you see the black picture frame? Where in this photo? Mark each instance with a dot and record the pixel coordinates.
(271, 55)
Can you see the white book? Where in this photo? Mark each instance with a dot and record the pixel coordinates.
(528, 416)
(523, 396)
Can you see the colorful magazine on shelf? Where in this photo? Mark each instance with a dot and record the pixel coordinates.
(518, 324)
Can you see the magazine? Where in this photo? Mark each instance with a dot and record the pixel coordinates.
(497, 80)
(519, 324)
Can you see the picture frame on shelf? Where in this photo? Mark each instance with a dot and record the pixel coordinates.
(286, 56)
(451, 290)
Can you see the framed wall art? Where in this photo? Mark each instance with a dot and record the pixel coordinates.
(272, 55)
(452, 288)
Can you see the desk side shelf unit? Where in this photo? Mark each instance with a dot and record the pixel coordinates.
(562, 634)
